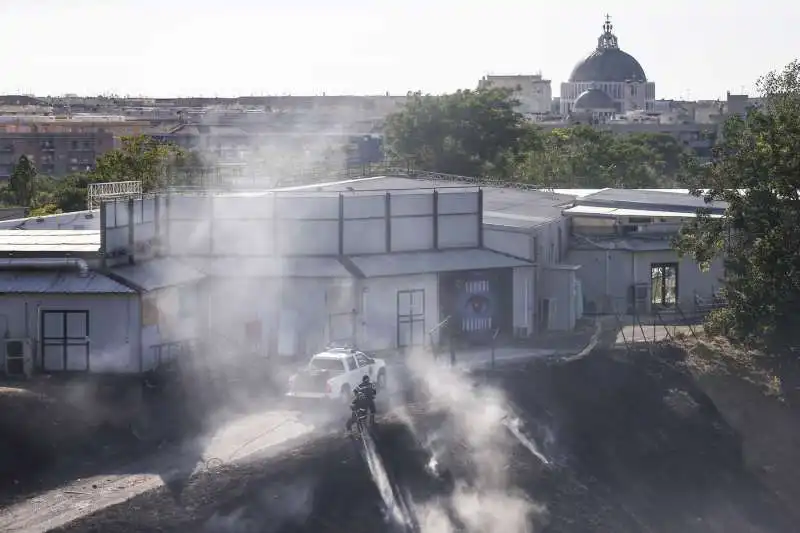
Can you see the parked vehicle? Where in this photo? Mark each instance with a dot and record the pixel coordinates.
(334, 373)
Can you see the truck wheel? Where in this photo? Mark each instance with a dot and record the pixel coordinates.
(381, 380)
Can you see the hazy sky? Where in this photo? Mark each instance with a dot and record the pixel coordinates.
(691, 49)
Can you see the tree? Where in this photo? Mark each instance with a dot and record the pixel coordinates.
(71, 192)
(22, 182)
(586, 157)
(756, 170)
(187, 168)
(459, 133)
(139, 158)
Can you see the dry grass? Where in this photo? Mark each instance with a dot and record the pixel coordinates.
(717, 356)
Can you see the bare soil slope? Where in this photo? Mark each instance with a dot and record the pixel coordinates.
(637, 446)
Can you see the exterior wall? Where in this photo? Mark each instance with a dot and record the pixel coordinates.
(286, 224)
(511, 241)
(524, 304)
(169, 314)
(542, 246)
(558, 284)
(290, 315)
(552, 240)
(534, 93)
(114, 326)
(57, 148)
(608, 275)
(377, 319)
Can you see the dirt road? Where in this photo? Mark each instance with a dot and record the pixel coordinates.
(171, 467)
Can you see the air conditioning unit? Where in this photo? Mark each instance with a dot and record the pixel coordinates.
(19, 357)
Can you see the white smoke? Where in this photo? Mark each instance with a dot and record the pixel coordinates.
(476, 429)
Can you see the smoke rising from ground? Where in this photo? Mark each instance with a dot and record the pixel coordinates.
(275, 509)
(475, 429)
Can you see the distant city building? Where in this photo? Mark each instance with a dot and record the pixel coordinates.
(534, 93)
(612, 72)
(60, 146)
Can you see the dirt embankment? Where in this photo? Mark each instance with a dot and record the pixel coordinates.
(759, 397)
(637, 445)
(54, 430)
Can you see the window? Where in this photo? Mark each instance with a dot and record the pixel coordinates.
(410, 318)
(327, 363)
(351, 363)
(65, 341)
(362, 359)
(664, 284)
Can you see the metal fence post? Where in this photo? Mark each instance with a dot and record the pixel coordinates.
(494, 343)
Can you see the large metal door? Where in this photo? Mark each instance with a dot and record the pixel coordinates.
(65, 341)
(410, 318)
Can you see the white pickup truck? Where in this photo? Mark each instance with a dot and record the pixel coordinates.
(334, 373)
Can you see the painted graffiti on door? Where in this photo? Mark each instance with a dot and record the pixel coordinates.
(476, 306)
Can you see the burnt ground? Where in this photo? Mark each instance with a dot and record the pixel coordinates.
(54, 429)
(637, 447)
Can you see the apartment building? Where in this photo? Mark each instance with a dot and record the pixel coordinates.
(60, 146)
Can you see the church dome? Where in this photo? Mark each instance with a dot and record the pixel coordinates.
(608, 63)
(593, 99)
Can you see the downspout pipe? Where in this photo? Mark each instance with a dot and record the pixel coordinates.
(46, 263)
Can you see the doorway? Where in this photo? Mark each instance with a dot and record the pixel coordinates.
(410, 318)
(664, 284)
(65, 341)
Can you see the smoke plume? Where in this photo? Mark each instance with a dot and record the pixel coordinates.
(484, 497)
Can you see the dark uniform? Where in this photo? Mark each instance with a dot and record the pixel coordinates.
(361, 401)
(367, 389)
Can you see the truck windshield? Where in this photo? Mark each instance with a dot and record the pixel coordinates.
(329, 364)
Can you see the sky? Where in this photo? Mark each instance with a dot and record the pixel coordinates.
(163, 48)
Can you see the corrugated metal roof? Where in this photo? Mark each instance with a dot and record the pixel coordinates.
(598, 211)
(271, 267)
(60, 282)
(50, 240)
(666, 199)
(400, 264)
(76, 220)
(577, 193)
(159, 273)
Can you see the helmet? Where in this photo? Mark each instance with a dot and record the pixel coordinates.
(365, 379)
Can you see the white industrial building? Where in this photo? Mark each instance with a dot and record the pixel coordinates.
(385, 263)
(622, 241)
(57, 312)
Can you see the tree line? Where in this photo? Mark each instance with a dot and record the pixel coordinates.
(754, 168)
(138, 158)
(480, 133)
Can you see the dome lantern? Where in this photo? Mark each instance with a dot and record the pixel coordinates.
(607, 63)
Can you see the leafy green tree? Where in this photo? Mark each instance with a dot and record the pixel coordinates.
(459, 133)
(139, 158)
(668, 152)
(22, 182)
(71, 192)
(756, 170)
(585, 157)
(44, 210)
(187, 168)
